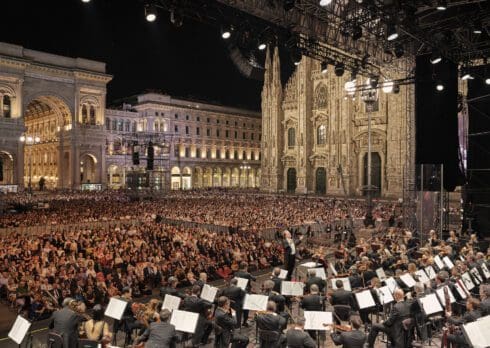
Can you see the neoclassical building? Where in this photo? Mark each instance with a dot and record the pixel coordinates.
(311, 127)
(195, 144)
(51, 118)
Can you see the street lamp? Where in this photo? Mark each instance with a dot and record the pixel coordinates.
(30, 140)
(369, 96)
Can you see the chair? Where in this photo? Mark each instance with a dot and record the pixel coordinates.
(408, 326)
(218, 335)
(342, 312)
(269, 339)
(84, 343)
(55, 340)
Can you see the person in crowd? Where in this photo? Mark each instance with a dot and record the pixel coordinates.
(297, 337)
(314, 279)
(160, 333)
(271, 321)
(289, 246)
(96, 328)
(226, 324)
(243, 273)
(350, 339)
(236, 295)
(66, 322)
(195, 304)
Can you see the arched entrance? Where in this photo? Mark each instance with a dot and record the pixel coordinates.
(207, 177)
(217, 177)
(321, 181)
(46, 119)
(186, 178)
(375, 173)
(197, 177)
(115, 178)
(291, 180)
(6, 168)
(226, 177)
(176, 179)
(235, 177)
(88, 169)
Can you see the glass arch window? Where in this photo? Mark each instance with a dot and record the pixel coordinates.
(321, 135)
(291, 137)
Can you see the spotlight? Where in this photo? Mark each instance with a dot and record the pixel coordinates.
(477, 28)
(350, 87)
(324, 67)
(339, 69)
(441, 5)
(465, 75)
(439, 86)
(86, 1)
(262, 46)
(288, 4)
(391, 33)
(435, 57)
(399, 51)
(176, 19)
(487, 80)
(296, 55)
(388, 86)
(325, 2)
(150, 13)
(373, 81)
(226, 32)
(356, 32)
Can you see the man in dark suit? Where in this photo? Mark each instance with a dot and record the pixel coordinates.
(271, 321)
(341, 296)
(195, 304)
(485, 299)
(472, 313)
(296, 336)
(313, 279)
(277, 281)
(236, 295)
(171, 289)
(393, 326)
(160, 334)
(226, 323)
(289, 244)
(350, 339)
(313, 302)
(65, 322)
(243, 273)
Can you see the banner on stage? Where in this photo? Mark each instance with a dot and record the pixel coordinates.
(317, 321)
(408, 280)
(19, 330)
(476, 275)
(255, 302)
(438, 261)
(391, 283)
(468, 282)
(430, 272)
(448, 262)
(485, 271)
(115, 309)
(423, 278)
(283, 274)
(184, 321)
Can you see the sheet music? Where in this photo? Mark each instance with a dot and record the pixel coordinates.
(332, 268)
(208, 293)
(468, 282)
(309, 264)
(283, 274)
(408, 280)
(476, 275)
(440, 294)
(292, 288)
(438, 261)
(346, 282)
(380, 273)
(485, 270)
(171, 302)
(448, 262)
(19, 329)
(460, 290)
(476, 332)
(422, 276)
(314, 320)
(430, 272)
(365, 299)
(255, 302)
(320, 272)
(184, 321)
(115, 309)
(384, 295)
(430, 304)
(242, 283)
(391, 283)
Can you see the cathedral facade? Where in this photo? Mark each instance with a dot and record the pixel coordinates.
(315, 135)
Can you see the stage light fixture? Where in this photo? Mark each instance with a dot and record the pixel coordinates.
(388, 86)
(439, 86)
(324, 67)
(435, 57)
(466, 75)
(86, 1)
(399, 51)
(391, 33)
(262, 46)
(441, 5)
(325, 2)
(296, 55)
(150, 13)
(350, 87)
(176, 19)
(339, 69)
(487, 81)
(288, 4)
(477, 28)
(356, 32)
(226, 32)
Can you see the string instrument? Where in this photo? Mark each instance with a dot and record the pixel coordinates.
(343, 328)
(445, 330)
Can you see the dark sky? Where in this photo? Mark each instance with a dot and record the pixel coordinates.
(187, 61)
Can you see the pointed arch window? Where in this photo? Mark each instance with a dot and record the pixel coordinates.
(84, 114)
(321, 135)
(7, 107)
(92, 115)
(291, 137)
(321, 97)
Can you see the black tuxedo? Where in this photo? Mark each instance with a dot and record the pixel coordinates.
(204, 327)
(313, 303)
(65, 322)
(485, 307)
(289, 257)
(299, 339)
(159, 335)
(236, 295)
(227, 324)
(315, 280)
(343, 297)
(393, 326)
(351, 339)
(277, 284)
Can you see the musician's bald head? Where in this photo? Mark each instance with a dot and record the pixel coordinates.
(222, 301)
(271, 306)
(277, 271)
(398, 294)
(312, 272)
(314, 289)
(268, 285)
(234, 281)
(164, 315)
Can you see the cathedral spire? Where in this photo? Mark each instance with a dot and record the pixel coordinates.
(276, 69)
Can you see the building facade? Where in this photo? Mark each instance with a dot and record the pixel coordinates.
(195, 144)
(315, 135)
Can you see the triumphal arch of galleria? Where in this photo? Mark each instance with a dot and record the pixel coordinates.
(61, 100)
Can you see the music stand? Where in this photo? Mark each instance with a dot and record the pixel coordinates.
(476, 332)
(115, 310)
(19, 330)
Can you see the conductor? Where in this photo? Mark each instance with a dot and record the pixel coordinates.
(289, 246)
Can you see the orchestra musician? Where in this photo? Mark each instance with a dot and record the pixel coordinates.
(171, 288)
(350, 339)
(313, 279)
(485, 299)
(275, 278)
(243, 273)
(297, 337)
(313, 302)
(271, 321)
(195, 304)
(340, 296)
(472, 314)
(236, 295)
(160, 333)
(290, 245)
(393, 326)
(226, 323)
(66, 322)
(96, 328)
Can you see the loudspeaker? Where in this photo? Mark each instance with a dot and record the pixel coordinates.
(151, 155)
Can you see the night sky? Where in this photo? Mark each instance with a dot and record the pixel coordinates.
(191, 61)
